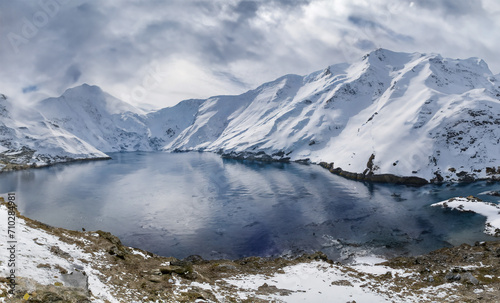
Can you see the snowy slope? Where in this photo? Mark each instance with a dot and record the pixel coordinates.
(26, 139)
(98, 118)
(418, 114)
(110, 124)
(166, 124)
(390, 113)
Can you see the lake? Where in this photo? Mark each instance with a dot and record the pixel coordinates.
(198, 203)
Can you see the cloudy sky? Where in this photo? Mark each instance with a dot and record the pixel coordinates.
(163, 51)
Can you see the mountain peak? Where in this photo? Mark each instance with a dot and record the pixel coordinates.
(384, 52)
(87, 88)
(384, 57)
(91, 96)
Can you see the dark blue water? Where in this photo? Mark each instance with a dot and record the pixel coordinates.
(197, 203)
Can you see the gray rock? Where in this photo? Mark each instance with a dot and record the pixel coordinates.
(59, 252)
(155, 279)
(453, 277)
(470, 278)
(226, 267)
(195, 259)
(77, 267)
(76, 279)
(184, 268)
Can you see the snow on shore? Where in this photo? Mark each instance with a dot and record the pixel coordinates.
(471, 204)
(310, 282)
(43, 258)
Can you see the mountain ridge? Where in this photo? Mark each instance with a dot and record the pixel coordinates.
(347, 104)
(415, 114)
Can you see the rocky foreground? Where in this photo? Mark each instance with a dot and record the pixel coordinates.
(59, 265)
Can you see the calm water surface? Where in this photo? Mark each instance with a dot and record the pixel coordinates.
(197, 203)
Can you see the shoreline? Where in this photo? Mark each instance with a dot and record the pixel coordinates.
(19, 167)
(375, 178)
(367, 176)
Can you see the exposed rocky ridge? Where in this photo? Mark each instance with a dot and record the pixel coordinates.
(369, 176)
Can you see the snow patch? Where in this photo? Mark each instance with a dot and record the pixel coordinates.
(471, 204)
(309, 282)
(36, 259)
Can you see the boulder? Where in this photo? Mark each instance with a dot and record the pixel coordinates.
(468, 277)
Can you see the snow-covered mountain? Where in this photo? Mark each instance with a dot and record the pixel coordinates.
(98, 118)
(417, 115)
(403, 114)
(110, 124)
(26, 139)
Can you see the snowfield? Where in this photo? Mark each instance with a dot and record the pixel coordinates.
(418, 115)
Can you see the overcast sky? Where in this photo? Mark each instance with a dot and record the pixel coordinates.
(163, 51)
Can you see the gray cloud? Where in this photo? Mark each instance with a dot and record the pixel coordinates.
(73, 73)
(452, 7)
(246, 10)
(369, 25)
(220, 47)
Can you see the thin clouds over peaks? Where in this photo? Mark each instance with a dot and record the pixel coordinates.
(175, 50)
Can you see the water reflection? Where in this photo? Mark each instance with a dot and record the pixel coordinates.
(198, 203)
